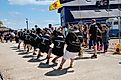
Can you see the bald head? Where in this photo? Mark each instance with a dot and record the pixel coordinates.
(93, 20)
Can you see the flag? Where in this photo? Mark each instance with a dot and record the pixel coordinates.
(55, 5)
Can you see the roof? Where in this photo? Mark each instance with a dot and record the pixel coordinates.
(93, 14)
(3, 28)
(88, 2)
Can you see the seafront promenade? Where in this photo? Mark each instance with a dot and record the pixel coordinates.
(17, 65)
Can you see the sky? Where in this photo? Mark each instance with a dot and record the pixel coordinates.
(13, 13)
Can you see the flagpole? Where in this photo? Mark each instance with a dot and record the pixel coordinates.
(79, 9)
(27, 23)
(79, 14)
(119, 21)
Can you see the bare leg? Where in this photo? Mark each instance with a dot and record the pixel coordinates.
(34, 51)
(62, 62)
(54, 60)
(95, 53)
(80, 53)
(19, 45)
(48, 56)
(71, 63)
(24, 46)
(30, 47)
(27, 48)
(39, 54)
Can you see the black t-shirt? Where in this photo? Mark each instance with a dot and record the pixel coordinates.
(84, 34)
(46, 41)
(93, 31)
(37, 38)
(73, 42)
(98, 32)
(27, 37)
(59, 42)
(20, 33)
(80, 36)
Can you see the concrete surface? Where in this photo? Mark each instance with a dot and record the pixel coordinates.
(16, 65)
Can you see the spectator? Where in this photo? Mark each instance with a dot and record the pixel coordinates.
(93, 37)
(99, 37)
(105, 37)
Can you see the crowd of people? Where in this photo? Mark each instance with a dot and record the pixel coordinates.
(6, 36)
(95, 36)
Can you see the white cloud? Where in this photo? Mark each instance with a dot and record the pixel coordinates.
(14, 13)
(51, 21)
(4, 20)
(26, 2)
(38, 9)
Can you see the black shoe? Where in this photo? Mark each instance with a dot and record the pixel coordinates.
(18, 47)
(70, 66)
(93, 56)
(89, 47)
(38, 56)
(47, 62)
(46, 57)
(27, 51)
(54, 61)
(60, 68)
(34, 53)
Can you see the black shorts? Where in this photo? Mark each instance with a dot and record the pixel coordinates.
(34, 44)
(58, 52)
(26, 42)
(44, 48)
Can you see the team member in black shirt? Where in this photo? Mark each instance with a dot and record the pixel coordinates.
(58, 48)
(45, 43)
(72, 49)
(27, 40)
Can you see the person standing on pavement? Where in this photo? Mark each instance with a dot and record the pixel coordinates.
(72, 49)
(99, 37)
(93, 37)
(105, 37)
(85, 32)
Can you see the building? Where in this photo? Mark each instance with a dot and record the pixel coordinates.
(82, 11)
(3, 28)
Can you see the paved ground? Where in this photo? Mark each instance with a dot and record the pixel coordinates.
(16, 65)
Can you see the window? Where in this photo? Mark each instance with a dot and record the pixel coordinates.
(116, 23)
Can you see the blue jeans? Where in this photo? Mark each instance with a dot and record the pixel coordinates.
(92, 42)
(106, 44)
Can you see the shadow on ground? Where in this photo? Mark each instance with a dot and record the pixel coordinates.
(119, 62)
(20, 50)
(22, 53)
(27, 56)
(57, 72)
(14, 47)
(36, 60)
(88, 50)
(78, 58)
(44, 65)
